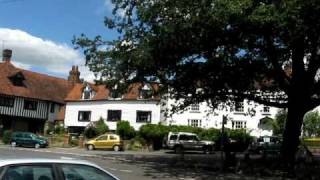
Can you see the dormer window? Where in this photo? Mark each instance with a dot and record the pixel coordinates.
(88, 93)
(115, 93)
(145, 92)
(17, 79)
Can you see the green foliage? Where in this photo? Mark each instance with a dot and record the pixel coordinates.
(279, 122)
(101, 126)
(6, 136)
(95, 129)
(153, 134)
(125, 130)
(311, 126)
(58, 129)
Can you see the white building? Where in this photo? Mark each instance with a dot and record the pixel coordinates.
(243, 115)
(87, 103)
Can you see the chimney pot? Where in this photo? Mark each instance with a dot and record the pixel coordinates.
(6, 55)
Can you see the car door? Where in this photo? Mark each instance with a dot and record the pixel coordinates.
(29, 172)
(112, 140)
(28, 141)
(101, 141)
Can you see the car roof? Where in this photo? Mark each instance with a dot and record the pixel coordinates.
(5, 162)
(180, 133)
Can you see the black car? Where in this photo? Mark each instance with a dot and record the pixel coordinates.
(266, 144)
(27, 139)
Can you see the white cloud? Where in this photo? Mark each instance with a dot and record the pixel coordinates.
(48, 56)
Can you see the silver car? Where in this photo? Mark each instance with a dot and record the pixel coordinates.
(51, 169)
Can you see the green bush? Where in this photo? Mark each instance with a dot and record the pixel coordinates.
(58, 129)
(125, 130)
(153, 134)
(95, 129)
(101, 126)
(6, 136)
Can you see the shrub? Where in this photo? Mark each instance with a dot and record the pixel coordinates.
(153, 134)
(95, 129)
(101, 126)
(58, 129)
(125, 130)
(6, 136)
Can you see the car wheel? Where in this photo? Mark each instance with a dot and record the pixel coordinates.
(116, 148)
(178, 149)
(13, 144)
(207, 150)
(37, 146)
(90, 147)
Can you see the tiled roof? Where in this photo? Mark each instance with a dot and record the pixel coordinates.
(103, 92)
(35, 85)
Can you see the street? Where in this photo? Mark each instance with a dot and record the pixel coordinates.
(136, 165)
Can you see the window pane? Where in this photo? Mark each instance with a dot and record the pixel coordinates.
(83, 172)
(144, 116)
(84, 115)
(114, 115)
(29, 172)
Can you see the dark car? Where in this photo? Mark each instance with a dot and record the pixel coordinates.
(27, 139)
(266, 144)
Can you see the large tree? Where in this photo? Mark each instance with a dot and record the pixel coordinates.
(217, 50)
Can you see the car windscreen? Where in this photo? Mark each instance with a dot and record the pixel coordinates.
(173, 137)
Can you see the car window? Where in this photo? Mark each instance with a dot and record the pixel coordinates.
(83, 172)
(29, 172)
(185, 137)
(173, 137)
(27, 136)
(102, 138)
(112, 137)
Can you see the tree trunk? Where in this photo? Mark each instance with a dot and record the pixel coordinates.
(292, 131)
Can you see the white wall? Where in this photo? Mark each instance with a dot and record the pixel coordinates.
(100, 109)
(213, 118)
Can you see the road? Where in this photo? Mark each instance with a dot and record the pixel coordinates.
(135, 165)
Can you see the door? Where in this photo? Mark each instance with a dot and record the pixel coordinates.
(27, 140)
(101, 141)
(112, 140)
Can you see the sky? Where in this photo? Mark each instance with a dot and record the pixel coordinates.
(40, 32)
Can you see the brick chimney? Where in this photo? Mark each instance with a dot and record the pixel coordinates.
(6, 55)
(74, 75)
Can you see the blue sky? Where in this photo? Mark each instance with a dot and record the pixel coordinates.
(27, 25)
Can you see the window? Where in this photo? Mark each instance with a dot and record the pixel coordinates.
(114, 115)
(30, 172)
(195, 107)
(266, 109)
(143, 116)
(75, 171)
(115, 94)
(17, 79)
(239, 106)
(145, 92)
(87, 93)
(111, 137)
(102, 138)
(52, 106)
(84, 115)
(195, 122)
(239, 124)
(6, 101)
(30, 105)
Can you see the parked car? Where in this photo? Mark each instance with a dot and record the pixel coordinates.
(266, 144)
(105, 141)
(182, 141)
(27, 139)
(48, 169)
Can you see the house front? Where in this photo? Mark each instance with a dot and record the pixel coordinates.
(87, 103)
(28, 99)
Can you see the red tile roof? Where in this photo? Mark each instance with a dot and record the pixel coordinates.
(35, 86)
(103, 92)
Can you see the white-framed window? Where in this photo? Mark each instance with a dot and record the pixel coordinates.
(143, 117)
(145, 92)
(88, 93)
(114, 115)
(195, 107)
(239, 107)
(239, 124)
(84, 116)
(195, 122)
